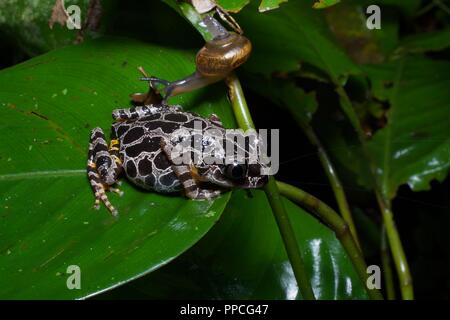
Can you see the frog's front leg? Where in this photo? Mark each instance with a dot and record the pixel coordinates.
(185, 175)
(190, 187)
(104, 167)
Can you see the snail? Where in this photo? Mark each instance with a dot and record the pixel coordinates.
(214, 62)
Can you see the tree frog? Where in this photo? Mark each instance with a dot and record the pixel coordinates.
(142, 144)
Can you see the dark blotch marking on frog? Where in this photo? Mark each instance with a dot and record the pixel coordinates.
(166, 127)
(133, 134)
(147, 145)
(145, 167)
(97, 135)
(155, 116)
(122, 130)
(131, 169)
(161, 161)
(176, 117)
(100, 147)
(168, 179)
(150, 180)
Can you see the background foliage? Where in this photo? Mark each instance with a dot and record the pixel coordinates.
(308, 69)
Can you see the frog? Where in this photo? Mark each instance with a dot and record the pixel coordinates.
(142, 143)
(143, 138)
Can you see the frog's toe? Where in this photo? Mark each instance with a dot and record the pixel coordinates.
(100, 196)
(111, 208)
(202, 194)
(115, 212)
(117, 190)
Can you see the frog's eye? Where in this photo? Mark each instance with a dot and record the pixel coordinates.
(235, 171)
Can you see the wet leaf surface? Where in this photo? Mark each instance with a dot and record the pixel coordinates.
(414, 147)
(243, 258)
(48, 105)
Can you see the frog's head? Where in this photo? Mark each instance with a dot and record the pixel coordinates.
(225, 170)
(235, 175)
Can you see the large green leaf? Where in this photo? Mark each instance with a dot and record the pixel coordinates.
(414, 147)
(243, 258)
(283, 39)
(48, 105)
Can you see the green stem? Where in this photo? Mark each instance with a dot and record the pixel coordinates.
(387, 270)
(335, 182)
(289, 240)
(238, 103)
(398, 253)
(245, 122)
(400, 261)
(335, 223)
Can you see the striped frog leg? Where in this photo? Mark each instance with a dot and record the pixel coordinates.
(103, 167)
(185, 173)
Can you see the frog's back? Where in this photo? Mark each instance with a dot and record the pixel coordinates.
(144, 161)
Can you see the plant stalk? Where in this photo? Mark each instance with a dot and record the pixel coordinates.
(400, 261)
(387, 270)
(289, 239)
(328, 216)
(245, 122)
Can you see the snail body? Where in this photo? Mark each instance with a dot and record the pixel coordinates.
(215, 61)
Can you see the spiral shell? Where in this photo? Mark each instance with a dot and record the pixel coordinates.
(221, 56)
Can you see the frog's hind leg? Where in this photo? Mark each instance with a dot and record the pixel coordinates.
(104, 166)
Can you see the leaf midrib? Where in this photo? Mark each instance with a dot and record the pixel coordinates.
(42, 174)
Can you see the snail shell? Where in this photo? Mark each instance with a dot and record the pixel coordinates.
(222, 55)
